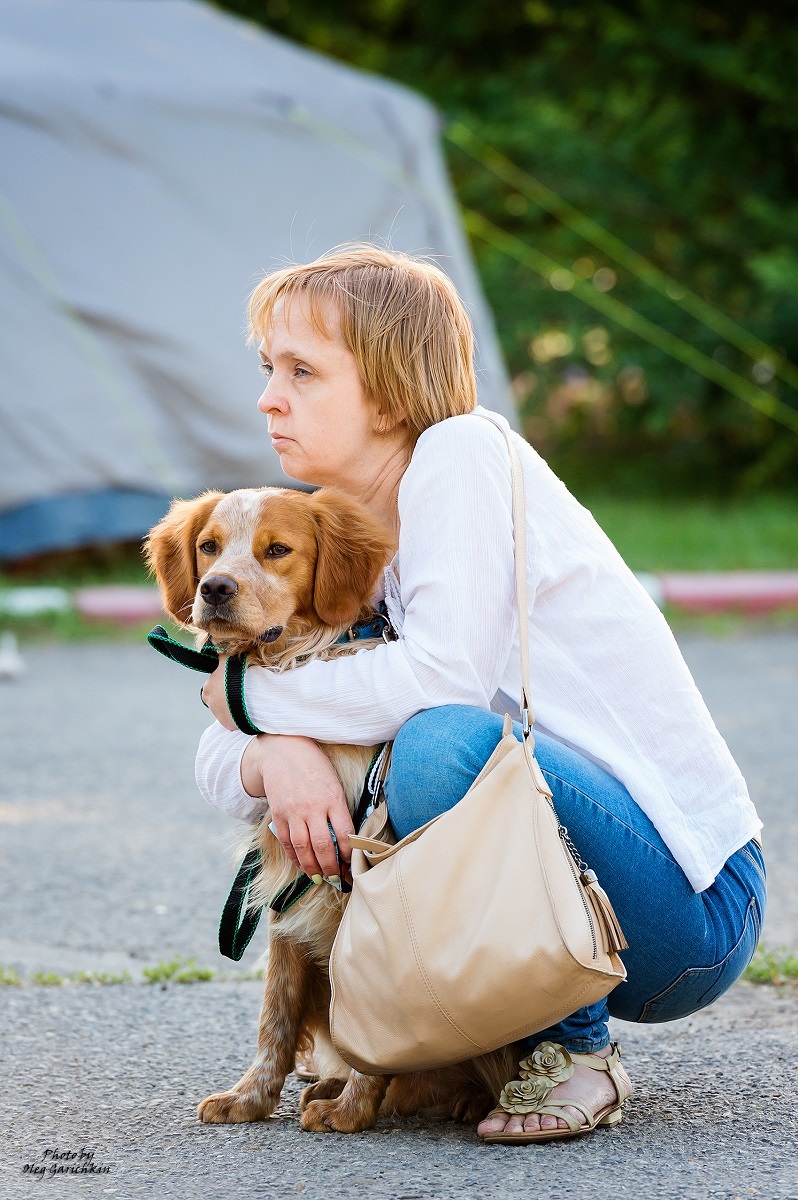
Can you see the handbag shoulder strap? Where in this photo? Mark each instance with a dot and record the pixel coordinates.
(520, 548)
(521, 568)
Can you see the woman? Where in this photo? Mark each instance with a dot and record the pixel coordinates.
(370, 388)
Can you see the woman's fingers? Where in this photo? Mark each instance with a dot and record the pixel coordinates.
(324, 849)
(312, 847)
(215, 696)
(303, 848)
(283, 834)
(305, 797)
(341, 821)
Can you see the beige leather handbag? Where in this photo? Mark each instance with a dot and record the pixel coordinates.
(481, 927)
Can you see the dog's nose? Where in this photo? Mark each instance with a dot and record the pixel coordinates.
(218, 589)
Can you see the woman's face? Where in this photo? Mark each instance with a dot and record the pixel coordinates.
(320, 422)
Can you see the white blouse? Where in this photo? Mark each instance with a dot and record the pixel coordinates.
(608, 678)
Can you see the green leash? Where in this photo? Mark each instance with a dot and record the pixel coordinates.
(207, 660)
(238, 922)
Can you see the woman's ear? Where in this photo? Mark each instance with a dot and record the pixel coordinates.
(171, 554)
(386, 423)
(353, 547)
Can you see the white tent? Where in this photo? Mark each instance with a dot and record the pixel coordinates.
(156, 157)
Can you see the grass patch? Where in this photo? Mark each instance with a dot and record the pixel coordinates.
(772, 966)
(730, 624)
(179, 970)
(98, 978)
(119, 562)
(700, 535)
(47, 979)
(71, 626)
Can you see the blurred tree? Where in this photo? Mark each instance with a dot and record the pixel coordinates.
(674, 126)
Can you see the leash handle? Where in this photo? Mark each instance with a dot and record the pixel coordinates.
(205, 660)
(235, 931)
(234, 671)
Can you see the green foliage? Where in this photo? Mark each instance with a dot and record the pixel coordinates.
(772, 966)
(179, 970)
(700, 535)
(84, 566)
(673, 125)
(9, 977)
(47, 979)
(71, 626)
(99, 978)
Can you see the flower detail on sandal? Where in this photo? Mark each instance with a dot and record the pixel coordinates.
(548, 1065)
(549, 1060)
(524, 1095)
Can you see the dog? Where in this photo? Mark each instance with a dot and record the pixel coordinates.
(280, 576)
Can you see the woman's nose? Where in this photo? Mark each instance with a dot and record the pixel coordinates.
(270, 401)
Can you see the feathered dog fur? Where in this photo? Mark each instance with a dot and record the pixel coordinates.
(291, 573)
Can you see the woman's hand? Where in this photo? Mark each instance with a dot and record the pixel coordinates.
(215, 696)
(304, 793)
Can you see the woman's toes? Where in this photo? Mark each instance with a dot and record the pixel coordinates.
(548, 1121)
(493, 1124)
(515, 1124)
(576, 1114)
(532, 1123)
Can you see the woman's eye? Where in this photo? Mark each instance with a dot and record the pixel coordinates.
(266, 369)
(277, 550)
(301, 371)
(208, 547)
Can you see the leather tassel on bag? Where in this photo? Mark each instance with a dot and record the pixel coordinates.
(605, 913)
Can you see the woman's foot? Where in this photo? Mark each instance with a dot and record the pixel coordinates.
(594, 1089)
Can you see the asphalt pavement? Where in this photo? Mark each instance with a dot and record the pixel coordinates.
(110, 860)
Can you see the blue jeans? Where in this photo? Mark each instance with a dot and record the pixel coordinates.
(686, 948)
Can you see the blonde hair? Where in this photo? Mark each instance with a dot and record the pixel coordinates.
(402, 319)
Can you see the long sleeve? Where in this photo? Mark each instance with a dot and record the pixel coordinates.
(458, 595)
(457, 592)
(218, 773)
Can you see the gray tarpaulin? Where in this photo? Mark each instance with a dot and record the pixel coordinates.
(156, 157)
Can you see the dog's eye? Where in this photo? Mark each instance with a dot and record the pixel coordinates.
(208, 547)
(277, 550)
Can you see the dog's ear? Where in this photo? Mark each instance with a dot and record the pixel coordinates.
(353, 547)
(171, 554)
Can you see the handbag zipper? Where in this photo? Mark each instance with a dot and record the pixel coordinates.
(572, 853)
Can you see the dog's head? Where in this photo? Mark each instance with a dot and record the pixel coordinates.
(258, 565)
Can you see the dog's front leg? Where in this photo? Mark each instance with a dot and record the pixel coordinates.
(356, 1108)
(257, 1093)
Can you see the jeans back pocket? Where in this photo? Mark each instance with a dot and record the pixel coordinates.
(699, 986)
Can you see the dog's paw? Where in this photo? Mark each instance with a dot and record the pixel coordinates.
(470, 1106)
(325, 1089)
(329, 1116)
(233, 1108)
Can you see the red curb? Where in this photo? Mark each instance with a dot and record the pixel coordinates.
(743, 591)
(694, 591)
(125, 605)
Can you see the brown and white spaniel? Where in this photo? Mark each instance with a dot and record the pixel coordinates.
(280, 575)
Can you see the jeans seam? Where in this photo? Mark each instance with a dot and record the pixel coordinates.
(755, 864)
(593, 800)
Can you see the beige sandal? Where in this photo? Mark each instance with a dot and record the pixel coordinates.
(547, 1065)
